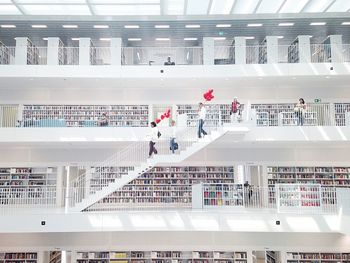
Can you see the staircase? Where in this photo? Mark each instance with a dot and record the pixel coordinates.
(83, 194)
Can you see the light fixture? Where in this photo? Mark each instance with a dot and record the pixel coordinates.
(39, 26)
(101, 26)
(131, 26)
(161, 26)
(345, 24)
(193, 26)
(134, 39)
(69, 26)
(219, 38)
(162, 39)
(190, 38)
(75, 38)
(105, 39)
(318, 23)
(8, 26)
(286, 24)
(280, 37)
(45, 39)
(223, 25)
(254, 25)
(249, 38)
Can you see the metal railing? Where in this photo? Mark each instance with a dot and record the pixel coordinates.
(159, 55)
(131, 157)
(7, 55)
(100, 56)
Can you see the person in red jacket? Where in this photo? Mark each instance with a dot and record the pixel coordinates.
(236, 112)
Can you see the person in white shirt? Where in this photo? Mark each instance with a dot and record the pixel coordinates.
(202, 112)
(173, 144)
(154, 134)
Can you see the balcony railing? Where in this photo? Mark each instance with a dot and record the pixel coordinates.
(259, 54)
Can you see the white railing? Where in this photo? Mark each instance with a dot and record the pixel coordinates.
(224, 55)
(27, 197)
(321, 53)
(68, 56)
(7, 55)
(100, 56)
(346, 52)
(159, 55)
(130, 157)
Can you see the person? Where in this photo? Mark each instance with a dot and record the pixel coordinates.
(300, 109)
(202, 112)
(104, 120)
(154, 135)
(235, 110)
(173, 145)
(168, 62)
(248, 189)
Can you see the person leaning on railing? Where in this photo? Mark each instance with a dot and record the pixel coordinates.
(300, 109)
(104, 120)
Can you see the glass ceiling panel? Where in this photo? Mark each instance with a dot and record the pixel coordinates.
(293, 6)
(269, 6)
(175, 7)
(5, 2)
(340, 6)
(56, 9)
(317, 6)
(127, 9)
(124, 1)
(219, 7)
(244, 6)
(197, 7)
(9, 10)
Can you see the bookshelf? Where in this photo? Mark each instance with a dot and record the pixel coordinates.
(270, 257)
(263, 52)
(293, 51)
(216, 113)
(299, 196)
(162, 257)
(319, 257)
(270, 112)
(225, 195)
(165, 187)
(84, 115)
(55, 256)
(32, 53)
(342, 114)
(290, 119)
(18, 257)
(4, 54)
(28, 176)
(324, 175)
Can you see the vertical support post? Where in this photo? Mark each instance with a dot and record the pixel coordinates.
(208, 51)
(59, 187)
(240, 50)
(116, 51)
(304, 49)
(84, 51)
(21, 51)
(336, 48)
(249, 256)
(272, 49)
(52, 50)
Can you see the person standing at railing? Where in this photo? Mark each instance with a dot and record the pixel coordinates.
(169, 62)
(173, 145)
(300, 109)
(104, 120)
(235, 112)
(202, 112)
(154, 135)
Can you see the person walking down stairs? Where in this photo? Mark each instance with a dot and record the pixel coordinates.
(154, 135)
(202, 112)
(173, 144)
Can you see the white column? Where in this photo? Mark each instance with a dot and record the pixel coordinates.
(304, 49)
(52, 50)
(272, 49)
(84, 51)
(21, 51)
(240, 50)
(41, 257)
(208, 51)
(60, 191)
(116, 51)
(283, 256)
(249, 256)
(336, 47)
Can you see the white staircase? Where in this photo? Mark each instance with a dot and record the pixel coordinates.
(188, 143)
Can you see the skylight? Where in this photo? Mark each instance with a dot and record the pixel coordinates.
(219, 7)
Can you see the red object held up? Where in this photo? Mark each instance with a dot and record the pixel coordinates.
(162, 117)
(157, 120)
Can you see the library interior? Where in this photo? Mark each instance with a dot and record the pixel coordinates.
(174, 131)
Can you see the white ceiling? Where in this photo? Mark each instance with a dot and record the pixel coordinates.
(169, 7)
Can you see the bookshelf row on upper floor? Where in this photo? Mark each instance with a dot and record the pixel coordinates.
(317, 257)
(161, 185)
(161, 257)
(19, 257)
(266, 114)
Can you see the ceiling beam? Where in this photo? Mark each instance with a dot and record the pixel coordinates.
(257, 6)
(233, 6)
(279, 9)
(329, 6)
(162, 7)
(209, 6)
(18, 7)
(185, 7)
(305, 6)
(90, 7)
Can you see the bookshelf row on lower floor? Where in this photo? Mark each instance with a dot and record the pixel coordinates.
(161, 257)
(19, 257)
